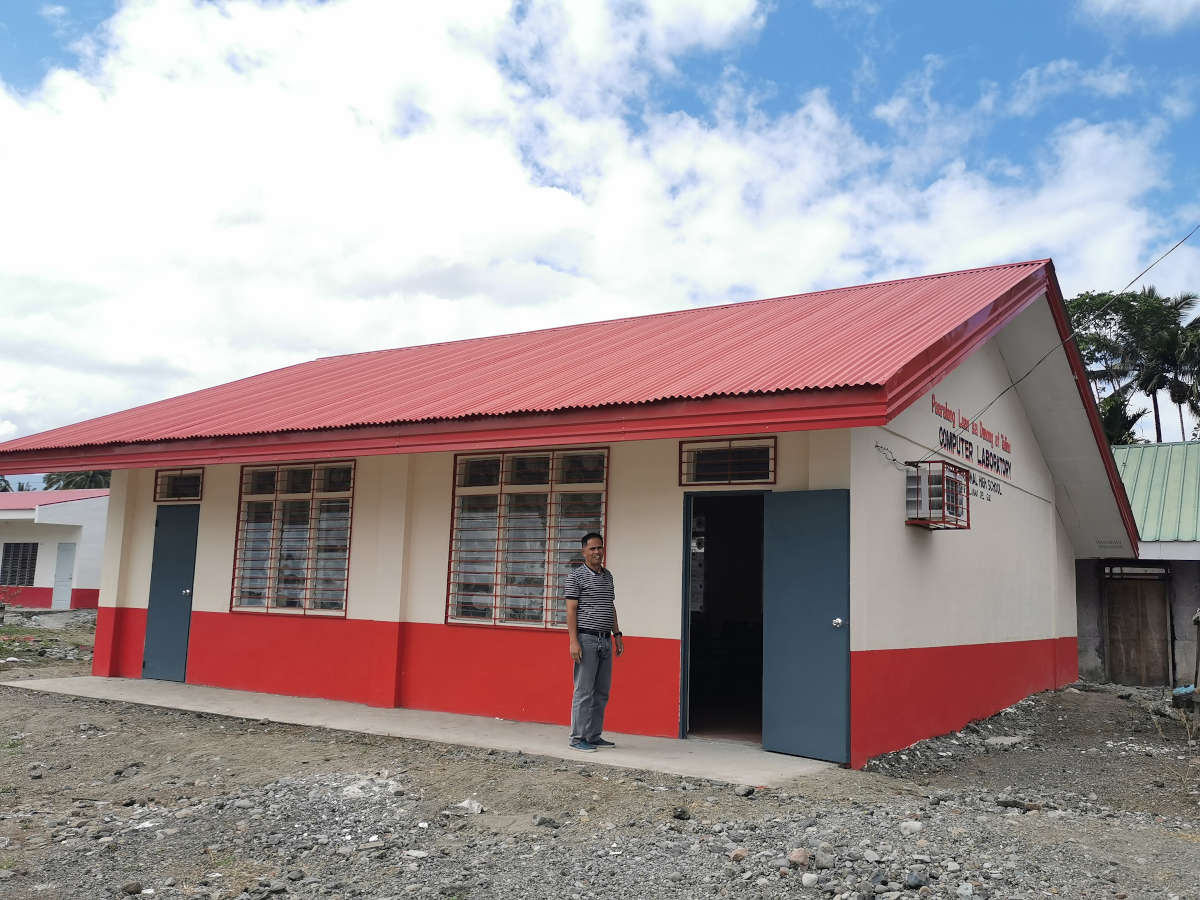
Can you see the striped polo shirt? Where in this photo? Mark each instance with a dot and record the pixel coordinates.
(594, 591)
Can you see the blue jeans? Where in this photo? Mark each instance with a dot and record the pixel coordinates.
(593, 679)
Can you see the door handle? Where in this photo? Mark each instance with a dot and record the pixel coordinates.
(187, 592)
(836, 623)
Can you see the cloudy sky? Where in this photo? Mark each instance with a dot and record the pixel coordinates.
(191, 192)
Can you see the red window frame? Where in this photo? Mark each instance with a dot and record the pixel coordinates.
(306, 610)
(553, 488)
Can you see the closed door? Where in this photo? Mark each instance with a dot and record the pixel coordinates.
(64, 576)
(1137, 649)
(168, 619)
(806, 631)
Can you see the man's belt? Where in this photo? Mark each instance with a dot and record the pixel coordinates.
(596, 631)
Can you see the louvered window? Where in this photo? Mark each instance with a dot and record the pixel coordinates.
(517, 521)
(293, 550)
(17, 564)
(727, 461)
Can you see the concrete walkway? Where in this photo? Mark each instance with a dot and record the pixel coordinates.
(733, 761)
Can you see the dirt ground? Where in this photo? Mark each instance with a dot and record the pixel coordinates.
(1107, 740)
(1125, 776)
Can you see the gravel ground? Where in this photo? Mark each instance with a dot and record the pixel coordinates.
(1091, 795)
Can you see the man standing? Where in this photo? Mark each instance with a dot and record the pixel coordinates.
(591, 626)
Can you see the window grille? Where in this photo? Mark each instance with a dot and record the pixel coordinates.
(178, 484)
(937, 495)
(293, 542)
(728, 461)
(517, 521)
(17, 564)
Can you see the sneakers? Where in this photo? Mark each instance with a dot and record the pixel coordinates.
(601, 742)
(583, 746)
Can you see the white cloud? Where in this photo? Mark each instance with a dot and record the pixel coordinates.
(1179, 102)
(1154, 15)
(53, 13)
(222, 189)
(867, 7)
(931, 132)
(1062, 76)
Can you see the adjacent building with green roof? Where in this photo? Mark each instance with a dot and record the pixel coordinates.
(1163, 484)
(1135, 616)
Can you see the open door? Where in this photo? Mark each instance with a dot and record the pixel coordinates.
(806, 631)
(169, 618)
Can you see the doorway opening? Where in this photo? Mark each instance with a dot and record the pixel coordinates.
(725, 616)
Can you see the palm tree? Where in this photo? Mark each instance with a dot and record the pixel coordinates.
(61, 481)
(1156, 350)
(5, 487)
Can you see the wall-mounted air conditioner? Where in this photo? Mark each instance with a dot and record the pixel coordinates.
(937, 494)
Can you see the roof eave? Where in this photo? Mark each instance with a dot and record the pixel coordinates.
(824, 408)
(925, 370)
(1058, 309)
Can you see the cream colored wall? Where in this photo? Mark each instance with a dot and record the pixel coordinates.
(645, 523)
(378, 538)
(113, 555)
(377, 546)
(213, 579)
(128, 540)
(1000, 580)
(401, 528)
(424, 584)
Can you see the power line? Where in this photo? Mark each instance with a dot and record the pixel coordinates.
(1063, 342)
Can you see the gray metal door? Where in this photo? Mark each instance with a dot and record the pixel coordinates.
(169, 617)
(64, 576)
(806, 632)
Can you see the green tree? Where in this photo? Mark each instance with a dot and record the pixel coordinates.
(1118, 420)
(1139, 340)
(61, 481)
(6, 485)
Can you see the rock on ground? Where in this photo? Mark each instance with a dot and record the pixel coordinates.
(97, 797)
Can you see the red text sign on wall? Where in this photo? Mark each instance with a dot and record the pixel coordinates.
(972, 440)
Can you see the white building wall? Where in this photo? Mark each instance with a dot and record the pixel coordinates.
(91, 516)
(1009, 577)
(47, 537)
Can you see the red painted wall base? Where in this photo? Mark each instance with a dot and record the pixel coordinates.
(898, 697)
(85, 598)
(120, 639)
(27, 597)
(512, 673)
(525, 674)
(43, 597)
(337, 659)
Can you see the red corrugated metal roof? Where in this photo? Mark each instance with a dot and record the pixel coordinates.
(851, 336)
(34, 499)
